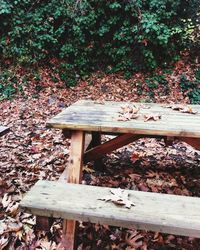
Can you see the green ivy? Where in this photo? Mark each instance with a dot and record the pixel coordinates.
(85, 35)
(191, 87)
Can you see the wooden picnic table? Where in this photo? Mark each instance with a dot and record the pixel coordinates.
(87, 116)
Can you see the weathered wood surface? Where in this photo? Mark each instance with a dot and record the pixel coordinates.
(73, 175)
(90, 116)
(152, 211)
(3, 130)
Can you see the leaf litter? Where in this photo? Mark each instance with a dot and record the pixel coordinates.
(31, 152)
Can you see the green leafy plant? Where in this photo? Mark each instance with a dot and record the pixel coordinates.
(191, 88)
(87, 35)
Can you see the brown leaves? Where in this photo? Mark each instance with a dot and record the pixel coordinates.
(119, 197)
(133, 239)
(188, 110)
(182, 108)
(135, 157)
(128, 112)
(152, 116)
(132, 112)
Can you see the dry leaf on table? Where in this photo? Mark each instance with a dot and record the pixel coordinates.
(188, 110)
(100, 101)
(182, 108)
(154, 117)
(128, 112)
(145, 106)
(119, 197)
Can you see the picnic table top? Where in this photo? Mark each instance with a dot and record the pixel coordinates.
(3, 130)
(87, 115)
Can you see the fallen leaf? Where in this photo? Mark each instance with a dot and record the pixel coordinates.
(14, 227)
(4, 241)
(188, 110)
(7, 199)
(119, 196)
(88, 170)
(100, 101)
(182, 108)
(145, 106)
(133, 239)
(135, 157)
(128, 112)
(175, 106)
(152, 116)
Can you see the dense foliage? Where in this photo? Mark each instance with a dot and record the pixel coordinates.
(123, 35)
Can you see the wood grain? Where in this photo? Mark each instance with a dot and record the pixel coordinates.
(90, 116)
(165, 213)
(73, 175)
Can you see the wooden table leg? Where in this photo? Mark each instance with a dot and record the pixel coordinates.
(73, 175)
(96, 141)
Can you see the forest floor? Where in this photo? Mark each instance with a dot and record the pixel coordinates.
(30, 152)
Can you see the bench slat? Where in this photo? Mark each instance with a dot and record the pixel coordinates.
(165, 213)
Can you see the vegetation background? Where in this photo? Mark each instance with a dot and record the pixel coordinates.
(75, 38)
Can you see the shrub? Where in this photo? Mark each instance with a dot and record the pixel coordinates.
(125, 35)
(191, 88)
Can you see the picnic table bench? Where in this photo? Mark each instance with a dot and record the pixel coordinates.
(84, 117)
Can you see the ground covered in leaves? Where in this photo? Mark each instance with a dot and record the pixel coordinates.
(30, 152)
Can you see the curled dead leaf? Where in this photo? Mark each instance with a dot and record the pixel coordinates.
(134, 239)
(119, 197)
(135, 157)
(12, 209)
(128, 112)
(7, 199)
(4, 241)
(144, 106)
(182, 108)
(188, 110)
(152, 116)
(99, 101)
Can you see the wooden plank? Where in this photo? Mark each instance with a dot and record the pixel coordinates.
(3, 130)
(109, 146)
(76, 153)
(165, 213)
(96, 141)
(90, 116)
(73, 175)
(64, 176)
